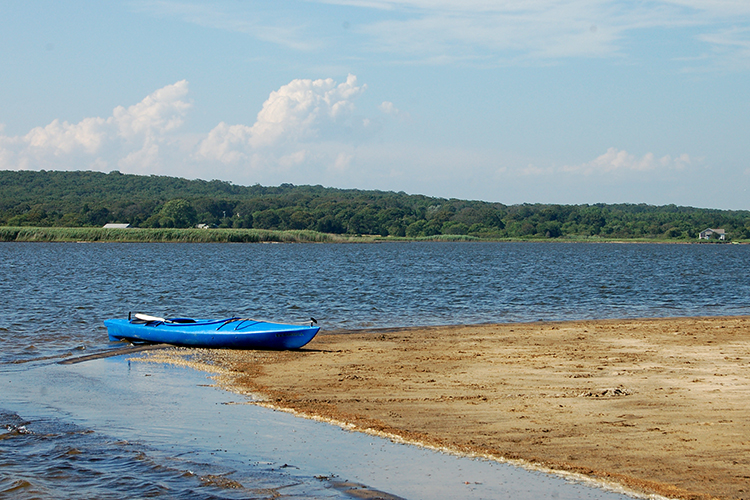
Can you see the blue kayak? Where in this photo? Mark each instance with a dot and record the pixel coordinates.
(229, 333)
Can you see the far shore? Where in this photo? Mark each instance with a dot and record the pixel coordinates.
(660, 406)
(227, 235)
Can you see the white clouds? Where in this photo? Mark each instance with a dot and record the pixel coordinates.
(226, 143)
(131, 137)
(305, 124)
(613, 163)
(388, 108)
(343, 161)
(615, 160)
(160, 112)
(292, 160)
(307, 132)
(61, 138)
(302, 109)
(301, 112)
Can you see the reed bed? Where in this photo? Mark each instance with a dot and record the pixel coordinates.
(162, 235)
(193, 235)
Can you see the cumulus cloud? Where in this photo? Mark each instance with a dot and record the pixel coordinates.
(305, 122)
(299, 112)
(226, 143)
(301, 109)
(160, 112)
(131, 136)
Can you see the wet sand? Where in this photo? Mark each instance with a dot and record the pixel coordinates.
(658, 405)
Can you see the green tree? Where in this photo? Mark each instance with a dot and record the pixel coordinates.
(266, 219)
(455, 228)
(177, 213)
(301, 219)
(416, 228)
(329, 224)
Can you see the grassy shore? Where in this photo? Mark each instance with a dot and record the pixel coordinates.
(191, 235)
(175, 235)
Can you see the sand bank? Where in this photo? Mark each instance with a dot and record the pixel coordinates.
(660, 406)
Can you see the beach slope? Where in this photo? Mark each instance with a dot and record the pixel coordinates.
(657, 405)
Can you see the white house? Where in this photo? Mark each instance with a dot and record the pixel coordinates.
(707, 234)
(113, 225)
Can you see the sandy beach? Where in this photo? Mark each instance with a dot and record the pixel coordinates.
(657, 405)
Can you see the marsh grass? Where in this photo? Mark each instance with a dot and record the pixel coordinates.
(162, 235)
(173, 235)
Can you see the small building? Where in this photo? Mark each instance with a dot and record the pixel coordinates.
(114, 225)
(709, 233)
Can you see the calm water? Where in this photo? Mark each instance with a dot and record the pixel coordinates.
(55, 297)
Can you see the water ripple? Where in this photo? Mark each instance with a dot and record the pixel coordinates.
(57, 295)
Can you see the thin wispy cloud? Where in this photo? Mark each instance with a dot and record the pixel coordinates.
(715, 8)
(615, 160)
(543, 30)
(614, 163)
(477, 31)
(501, 32)
(262, 25)
(730, 48)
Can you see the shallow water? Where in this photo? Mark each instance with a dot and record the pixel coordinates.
(161, 435)
(111, 429)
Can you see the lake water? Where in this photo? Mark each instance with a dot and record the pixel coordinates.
(111, 429)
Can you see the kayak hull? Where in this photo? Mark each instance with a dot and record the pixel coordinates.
(231, 333)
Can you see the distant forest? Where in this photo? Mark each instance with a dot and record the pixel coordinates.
(92, 199)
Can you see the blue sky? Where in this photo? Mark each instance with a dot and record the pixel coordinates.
(548, 101)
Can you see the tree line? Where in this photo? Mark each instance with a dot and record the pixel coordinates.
(91, 199)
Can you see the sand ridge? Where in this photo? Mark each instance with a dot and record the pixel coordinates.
(658, 405)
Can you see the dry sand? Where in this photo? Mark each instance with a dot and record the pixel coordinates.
(658, 405)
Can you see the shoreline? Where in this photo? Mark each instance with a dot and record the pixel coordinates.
(29, 234)
(659, 406)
